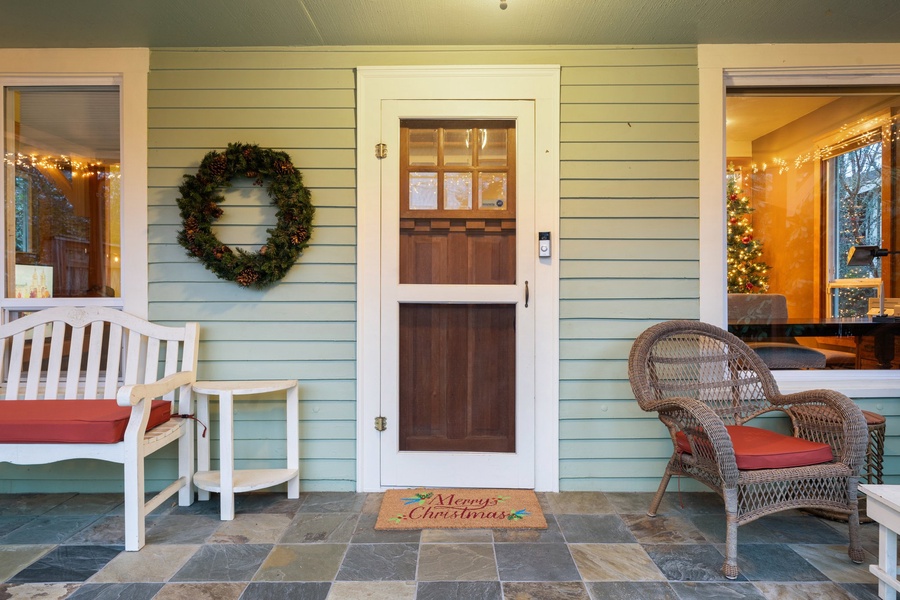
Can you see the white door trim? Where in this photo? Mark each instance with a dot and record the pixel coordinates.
(376, 84)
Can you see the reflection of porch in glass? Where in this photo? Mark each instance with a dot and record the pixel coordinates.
(882, 333)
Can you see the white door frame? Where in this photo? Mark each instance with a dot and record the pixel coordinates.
(375, 84)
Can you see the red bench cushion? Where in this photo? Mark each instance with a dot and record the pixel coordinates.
(756, 448)
(70, 421)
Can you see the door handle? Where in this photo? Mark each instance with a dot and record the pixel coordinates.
(526, 294)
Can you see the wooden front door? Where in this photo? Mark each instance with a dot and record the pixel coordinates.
(458, 253)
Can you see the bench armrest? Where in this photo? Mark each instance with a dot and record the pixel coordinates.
(130, 395)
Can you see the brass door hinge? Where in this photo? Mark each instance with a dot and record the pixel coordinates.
(380, 423)
(380, 150)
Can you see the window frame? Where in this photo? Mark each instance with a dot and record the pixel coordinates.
(127, 69)
(758, 65)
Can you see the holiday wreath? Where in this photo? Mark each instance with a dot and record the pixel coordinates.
(199, 204)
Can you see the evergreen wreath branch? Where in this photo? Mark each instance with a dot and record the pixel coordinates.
(199, 204)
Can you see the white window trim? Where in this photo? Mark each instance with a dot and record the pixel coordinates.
(128, 68)
(775, 64)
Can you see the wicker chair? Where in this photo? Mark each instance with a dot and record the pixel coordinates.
(705, 383)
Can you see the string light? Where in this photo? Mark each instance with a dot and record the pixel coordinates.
(63, 163)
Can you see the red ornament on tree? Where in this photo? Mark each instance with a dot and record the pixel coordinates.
(746, 239)
(749, 286)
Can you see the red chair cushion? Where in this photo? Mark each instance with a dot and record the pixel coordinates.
(756, 448)
(70, 421)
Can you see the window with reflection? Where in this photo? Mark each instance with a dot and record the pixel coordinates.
(62, 217)
(815, 171)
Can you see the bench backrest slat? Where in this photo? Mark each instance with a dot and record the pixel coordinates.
(113, 361)
(49, 355)
(54, 366)
(32, 384)
(92, 373)
(15, 366)
(73, 371)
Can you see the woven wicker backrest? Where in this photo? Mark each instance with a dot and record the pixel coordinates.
(699, 361)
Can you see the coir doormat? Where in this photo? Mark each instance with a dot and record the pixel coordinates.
(439, 508)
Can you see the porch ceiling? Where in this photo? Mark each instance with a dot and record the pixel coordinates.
(223, 23)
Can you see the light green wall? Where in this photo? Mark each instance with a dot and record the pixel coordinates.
(628, 244)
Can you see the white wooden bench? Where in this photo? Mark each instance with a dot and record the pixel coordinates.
(81, 354)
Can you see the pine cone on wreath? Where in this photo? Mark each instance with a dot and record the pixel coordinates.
(247, 277)
(218, 164)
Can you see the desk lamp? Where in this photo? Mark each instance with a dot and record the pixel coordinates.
(862, 256)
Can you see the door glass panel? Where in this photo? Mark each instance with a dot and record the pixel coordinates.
(457, 377)
(457, 191)
(423, 147)
(492, 147)
(63, 212)
(492, 191)
(458, 147)
(423, 191)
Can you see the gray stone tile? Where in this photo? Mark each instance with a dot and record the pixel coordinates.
(116, 591)
(775, 562)
(224, 562)
(704, 590)
(688, 562)
(15, 558)
(333, 502)
(373, 590)
(67, 564)
(154, 563)
(87, 504)
(252, 528)
(673, 502)
(551, 535)
(268, 503)
(367, 534)
(571, 503)
(201, 591)
(632, 590)
(379, 562)
(602, 529)
(286, 590)
(535, 562)
(308, 528)
(459, 590)
(44, 591)
(302, 562)
(457, 562)
(663, 529)
(105, 530)
(30, 504)
(182, 529)
(861, 591)
(570, 590)
(796, 528)
(807, 591)
(48, 530)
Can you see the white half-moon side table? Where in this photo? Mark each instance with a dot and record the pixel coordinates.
(227, 480)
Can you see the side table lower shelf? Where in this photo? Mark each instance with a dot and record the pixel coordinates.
(245, 480)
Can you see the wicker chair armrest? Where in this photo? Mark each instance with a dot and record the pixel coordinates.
(705, 432)
(831, 417)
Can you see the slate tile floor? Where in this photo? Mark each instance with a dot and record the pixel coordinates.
(324, 547)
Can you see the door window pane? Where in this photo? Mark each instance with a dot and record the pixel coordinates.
(63, 217)
(492, 147)
(423, 191)
(458, 147)
(423, 147)
(492, 191)
(457, 191)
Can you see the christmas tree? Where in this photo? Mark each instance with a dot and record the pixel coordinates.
(747, 274)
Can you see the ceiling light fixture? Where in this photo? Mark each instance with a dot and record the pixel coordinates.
(503, 5)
